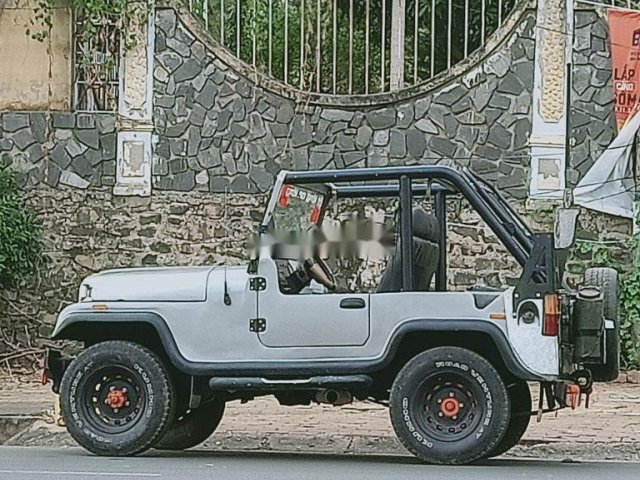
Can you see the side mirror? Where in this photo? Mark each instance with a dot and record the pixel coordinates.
(565, 227)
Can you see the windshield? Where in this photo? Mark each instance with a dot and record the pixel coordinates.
(298, 208)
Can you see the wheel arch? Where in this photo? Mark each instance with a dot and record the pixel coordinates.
(145, 328)
(483, 338)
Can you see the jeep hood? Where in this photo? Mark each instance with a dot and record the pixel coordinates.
(173, 284)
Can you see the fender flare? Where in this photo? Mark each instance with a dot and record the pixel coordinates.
(508, 356)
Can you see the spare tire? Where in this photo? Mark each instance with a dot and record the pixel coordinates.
(607, 280)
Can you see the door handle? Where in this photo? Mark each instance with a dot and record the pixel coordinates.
(352, 303)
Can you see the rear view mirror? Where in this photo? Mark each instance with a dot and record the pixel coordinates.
(565, 227)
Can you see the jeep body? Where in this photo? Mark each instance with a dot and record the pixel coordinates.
(225, 333)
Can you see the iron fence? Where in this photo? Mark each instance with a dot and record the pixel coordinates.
(96, 66)
(352, 46)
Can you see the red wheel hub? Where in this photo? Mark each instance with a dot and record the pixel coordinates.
(450, 407)
(116, 398)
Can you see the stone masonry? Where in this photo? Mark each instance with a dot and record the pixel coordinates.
(218, 130)
(91, 230)
(593, 121)
(220, 136)
(72, 149)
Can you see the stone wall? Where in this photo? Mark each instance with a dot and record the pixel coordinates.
(91, 230)
(77, 150)
(217, 129)
(593, 121)
(221, 133)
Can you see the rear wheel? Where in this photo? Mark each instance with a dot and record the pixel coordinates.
(116, 398)
(193, 427)
(520, 399)
(449, 405)
(607, 280)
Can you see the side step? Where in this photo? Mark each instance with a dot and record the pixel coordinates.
(276, 385)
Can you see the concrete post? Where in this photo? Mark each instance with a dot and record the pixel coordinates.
(398, 17)
(550, 89)
(135, 109)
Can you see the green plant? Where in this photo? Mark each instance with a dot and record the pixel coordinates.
(102, 26)
(94, 16)
(630, 303)
(20, 232)
(599, 254)
(103, 30)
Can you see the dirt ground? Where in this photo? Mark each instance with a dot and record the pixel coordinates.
(609, 429)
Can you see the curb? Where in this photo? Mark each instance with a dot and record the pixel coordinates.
(630, 376)
(38, 433)
(11, 425)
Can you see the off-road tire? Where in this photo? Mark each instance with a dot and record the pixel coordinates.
(520, 399)
(419, 406)
(129, 429)
(607, 280)
(192, 428)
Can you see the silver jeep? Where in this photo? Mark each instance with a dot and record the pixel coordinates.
(166, 348)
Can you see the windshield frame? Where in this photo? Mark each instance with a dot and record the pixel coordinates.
(322, 188)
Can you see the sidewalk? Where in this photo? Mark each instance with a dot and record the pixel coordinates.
(609, 429)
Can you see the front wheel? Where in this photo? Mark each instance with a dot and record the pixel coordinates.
(116, 398)
(449, 405)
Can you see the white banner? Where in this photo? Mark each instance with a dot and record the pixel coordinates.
(608, 186)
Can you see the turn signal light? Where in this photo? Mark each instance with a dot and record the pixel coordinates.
(551, 324)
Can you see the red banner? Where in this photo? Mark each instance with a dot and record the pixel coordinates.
(624, 34)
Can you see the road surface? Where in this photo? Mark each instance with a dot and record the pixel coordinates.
(29, 463)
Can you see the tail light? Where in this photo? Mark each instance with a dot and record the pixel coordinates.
(551, 323)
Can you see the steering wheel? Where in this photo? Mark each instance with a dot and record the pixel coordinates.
(319, 271)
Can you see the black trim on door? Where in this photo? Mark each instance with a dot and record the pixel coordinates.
(341, 367)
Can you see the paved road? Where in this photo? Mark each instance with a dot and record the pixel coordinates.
(24, 463)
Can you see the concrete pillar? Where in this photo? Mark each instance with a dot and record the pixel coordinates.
(554, 25)
(135, 108)
(398, 18)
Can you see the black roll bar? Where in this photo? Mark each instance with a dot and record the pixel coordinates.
(387, 191)
(440, 206)
(463, 183)
(406, 233)
(504, 210)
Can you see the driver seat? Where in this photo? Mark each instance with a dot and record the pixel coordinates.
(426, 252)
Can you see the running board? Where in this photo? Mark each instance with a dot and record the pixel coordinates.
(275, 385)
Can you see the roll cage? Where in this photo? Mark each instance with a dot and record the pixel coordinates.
(441, 182)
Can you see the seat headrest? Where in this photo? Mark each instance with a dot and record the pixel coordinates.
(425, 225)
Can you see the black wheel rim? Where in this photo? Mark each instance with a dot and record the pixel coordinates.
(448, 406)
(113, 399)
